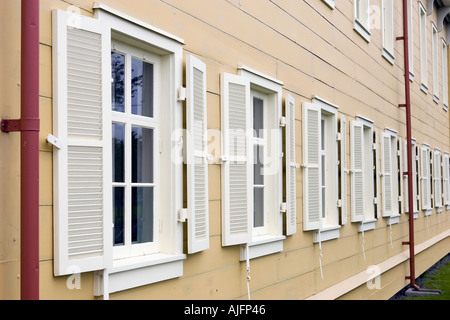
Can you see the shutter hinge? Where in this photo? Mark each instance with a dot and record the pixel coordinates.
(339, 203)
(282, 122)
(54, 141)
(181, 94)
(224, 159)
(182, 215)
(338, 136)
(283, 207)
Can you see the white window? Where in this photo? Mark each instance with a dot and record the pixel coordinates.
(361, 22)
(114, 211)
(437, 180)
(411, 39)
(444, 74)
(390, 173)
(435, 56)
(425, 183)
(388, 30)
(320, 175)
(252, 166)
(135, 166)
(446, 178)
(415, 176)
(423, 48)
(364, 192)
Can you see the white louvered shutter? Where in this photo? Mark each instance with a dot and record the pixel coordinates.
(386, 167)
(312, 195)
(425, 179)
(237, 176)
(82, 168)
(197, 163)
(357, 176)
(344, 170)
(377, 172)
(415, 159)
(445, 178)
(291, 167)
(405, 177)
(400, 180)
(437, 179)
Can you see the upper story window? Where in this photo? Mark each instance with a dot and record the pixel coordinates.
(361, 12)
(411, 39)
(423, 48)
(388, 30)
(435, 61)
(444, 74)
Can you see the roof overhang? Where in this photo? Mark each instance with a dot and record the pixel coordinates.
(443, 11)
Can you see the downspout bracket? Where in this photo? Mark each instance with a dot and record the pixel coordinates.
(18, 125)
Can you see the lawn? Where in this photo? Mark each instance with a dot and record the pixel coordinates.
(439, 279)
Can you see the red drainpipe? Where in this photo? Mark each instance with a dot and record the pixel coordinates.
(407, 105)
(28, 125)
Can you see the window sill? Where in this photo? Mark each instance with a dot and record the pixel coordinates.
(361, 30)
(445, 107)
(427, 212)
(411, 76)
(326, 233)
(388, 56)
(135, 272)
(367, 225)
(436, 99)
(394, 219)
(329, 3)
(262, 246)
(424, 88)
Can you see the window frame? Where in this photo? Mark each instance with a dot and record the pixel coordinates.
(435, 61)
(387, 30)
(269, 239)
(362, 24)
(444, 68)
(423, 48)
(167, 263)
(411, 39)
(130, 121)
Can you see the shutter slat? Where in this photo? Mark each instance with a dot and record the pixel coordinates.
(311, 175)
(344, 171)
(386, 166)
(197, 166)
(237, 196)
(83, 200)
(291, 195)
(357, 177)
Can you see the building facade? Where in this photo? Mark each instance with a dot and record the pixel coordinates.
(229, 149)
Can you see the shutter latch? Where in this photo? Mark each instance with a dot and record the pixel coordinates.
(283, 207)
(54, 141)
(182, 215)
(282, 122)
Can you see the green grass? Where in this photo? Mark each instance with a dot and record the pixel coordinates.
(439, 280)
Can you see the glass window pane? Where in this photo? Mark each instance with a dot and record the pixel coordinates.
(118, 81)
(142, 155)
(142, 215)
(258, 117)
(258, 215)
(118, 152)
(119, 214)
(141, 88)
(258, 176)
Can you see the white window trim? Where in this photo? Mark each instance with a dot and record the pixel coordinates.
(329, 3)
(423, 49)
(362, 27)
(411, 40)
(428, 210)
(386, 53)
(272, 242)
(435, 61)
(156, 267)
(392, 218)
(368, 223)
(330, 231)
(444, 69)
